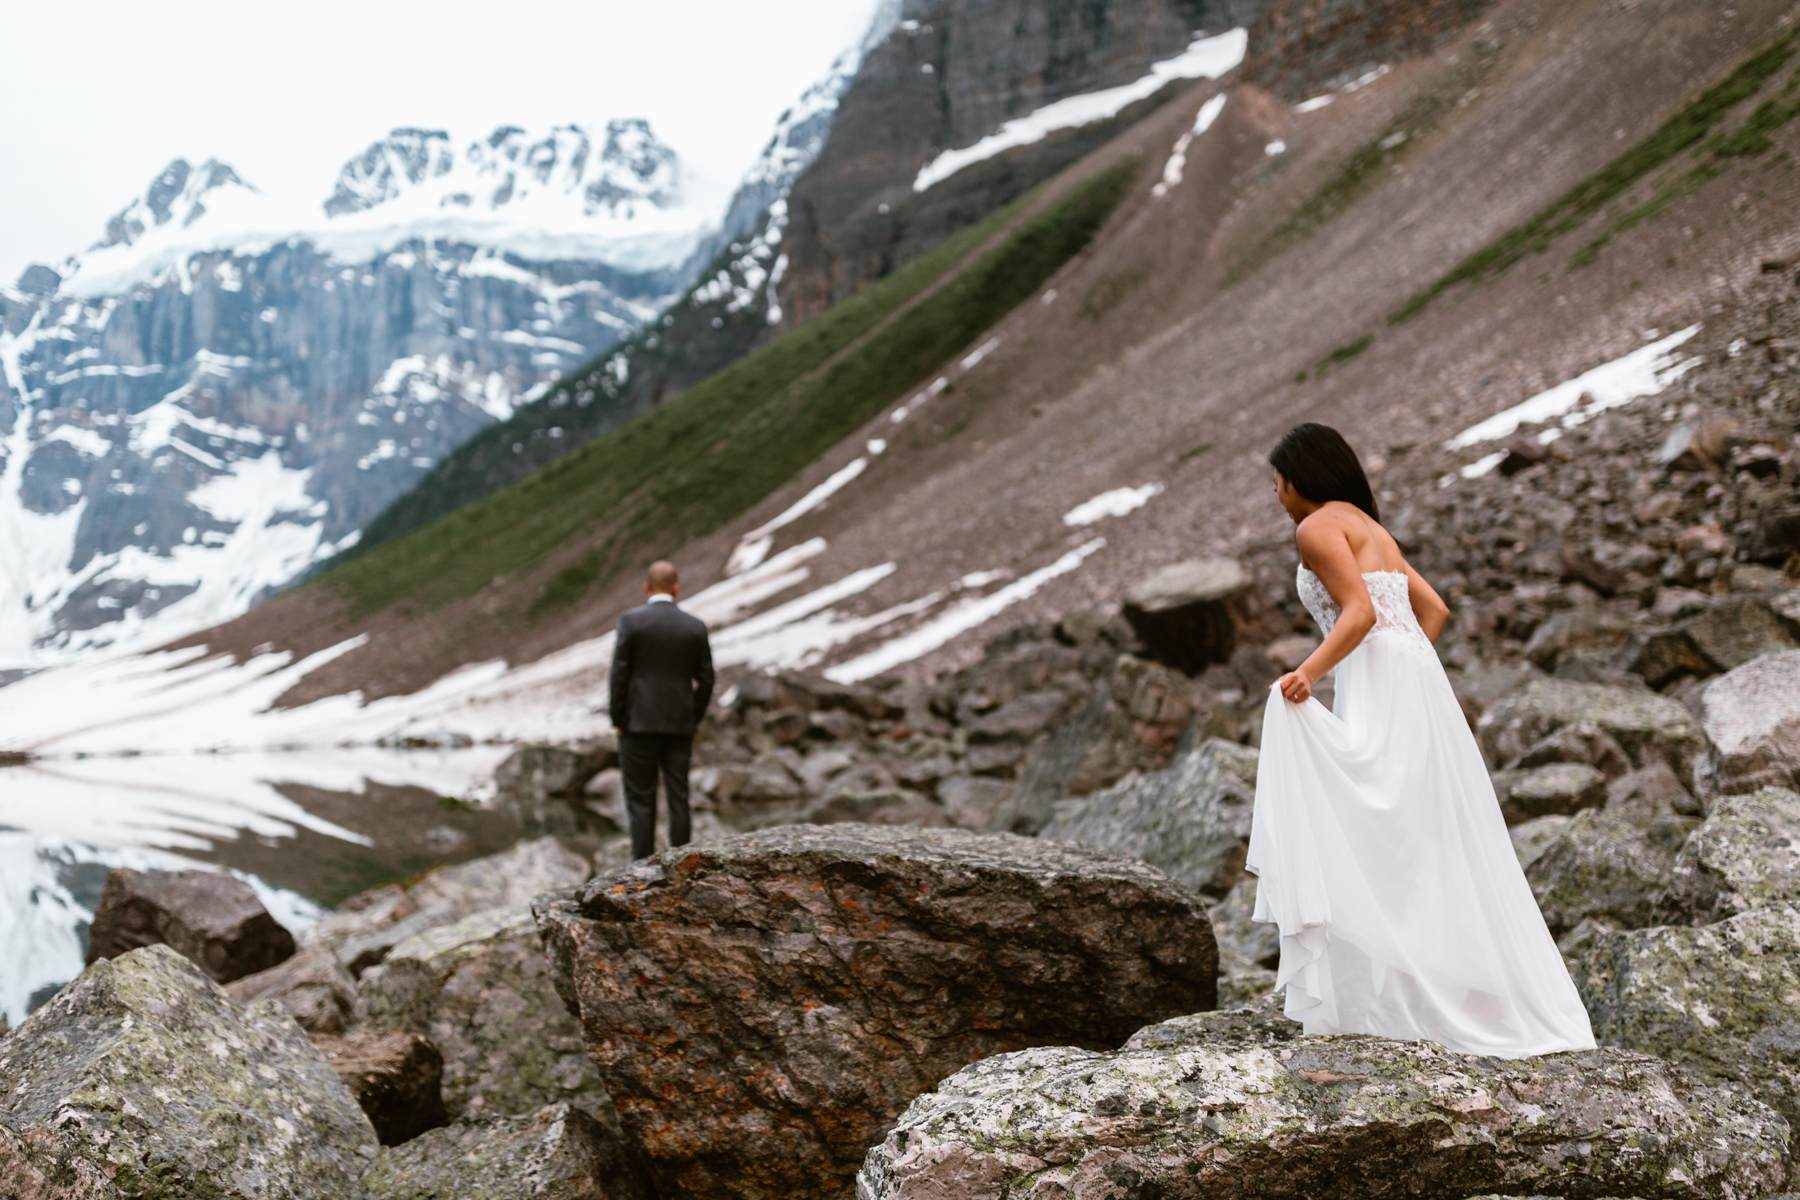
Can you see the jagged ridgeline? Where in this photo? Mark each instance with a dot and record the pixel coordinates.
(691, 464)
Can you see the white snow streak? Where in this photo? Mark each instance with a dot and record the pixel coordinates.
(1115, 503)
(1177, 164)
(1207, 57)
(1643, 372)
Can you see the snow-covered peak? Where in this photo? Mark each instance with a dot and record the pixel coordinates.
(800, 131)
(177, 197)
(580, 170)
(389, 166)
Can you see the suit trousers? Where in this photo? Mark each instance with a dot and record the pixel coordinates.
(642, 757)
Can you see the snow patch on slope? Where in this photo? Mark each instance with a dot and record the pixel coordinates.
(1207, 57)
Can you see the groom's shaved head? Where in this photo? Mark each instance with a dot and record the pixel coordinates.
(661, 578)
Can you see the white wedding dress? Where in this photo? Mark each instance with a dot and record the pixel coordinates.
(1382, 857)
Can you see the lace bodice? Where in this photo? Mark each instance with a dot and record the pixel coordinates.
(1388, 592)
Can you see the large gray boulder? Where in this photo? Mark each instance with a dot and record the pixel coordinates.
(1599, 867)
(1191, 820)
(365, 927)
(211, 918)
(1649, 726)
(557, 1153)
(1746, 854)
(144, 1066)
(1188, 614)
(313, 985)
(1236, 1106)
(481, 989)
(763, 1007)
(1752, 720)
(1723, 999)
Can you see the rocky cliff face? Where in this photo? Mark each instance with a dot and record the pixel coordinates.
(951, 76)
(218, 393)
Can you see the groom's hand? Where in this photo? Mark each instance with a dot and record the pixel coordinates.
(1294, 687)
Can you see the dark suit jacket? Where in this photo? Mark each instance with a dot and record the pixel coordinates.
(662, 672)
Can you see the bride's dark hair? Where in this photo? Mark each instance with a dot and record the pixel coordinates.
(1321, 465)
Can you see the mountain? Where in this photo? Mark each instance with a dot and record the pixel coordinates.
(944, 73)
(1477, 217)
(223, 389)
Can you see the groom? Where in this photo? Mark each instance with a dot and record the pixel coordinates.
(661, 682)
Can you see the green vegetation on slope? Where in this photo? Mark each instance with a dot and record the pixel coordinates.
(1686, 129)
(693, 463)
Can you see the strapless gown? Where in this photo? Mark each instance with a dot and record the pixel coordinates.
(1381, 855)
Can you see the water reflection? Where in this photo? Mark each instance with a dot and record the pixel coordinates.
(304, 830)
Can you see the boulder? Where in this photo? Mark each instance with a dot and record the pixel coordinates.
(763, 1007)
(481, 990)
(557, 1153)
(1242, 941)
(1188, 614)
(1746, 854)
(1724, 635)
(1601, 868)
(1751, 715)
(1529, 838)
(1237, 1106)
(1649, 727)
(365, 927)
(552, 770)
(887, 806)
(811, 693)
(144, 1066)
(211, 918)
(1191, 820)
(1722, 999)
(1582, 743)
(1557, 788)
(1020, 719)
(1133, 723)
(1587, 634)
(970, 802)
(396, 1077)
(313, 985)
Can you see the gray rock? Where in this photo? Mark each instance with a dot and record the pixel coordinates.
(481, 989)
(889, 806)
(1718, 998)
(552, 770)
(396, 1077)
(211, 918)
(1601, 868)
(1133, 723)
(313, 985)
(1191, 820)
(365, 927)
(1649, 727)
(1529, 838)
(1745, 855)
(1752, 720)
(1234, 1105)
(1243, 942)
(970, 802)
(144, 1066)
(1722, 636)
(1553, 789)
(816, 978)
(1589, 634)
(1583, 743)
(1022, 718)
(1188, 614)
(557, 1153)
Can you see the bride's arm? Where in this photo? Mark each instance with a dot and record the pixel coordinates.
(1326, 552)
(1427, 605)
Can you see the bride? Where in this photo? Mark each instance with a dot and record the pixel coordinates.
(1376, 837)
